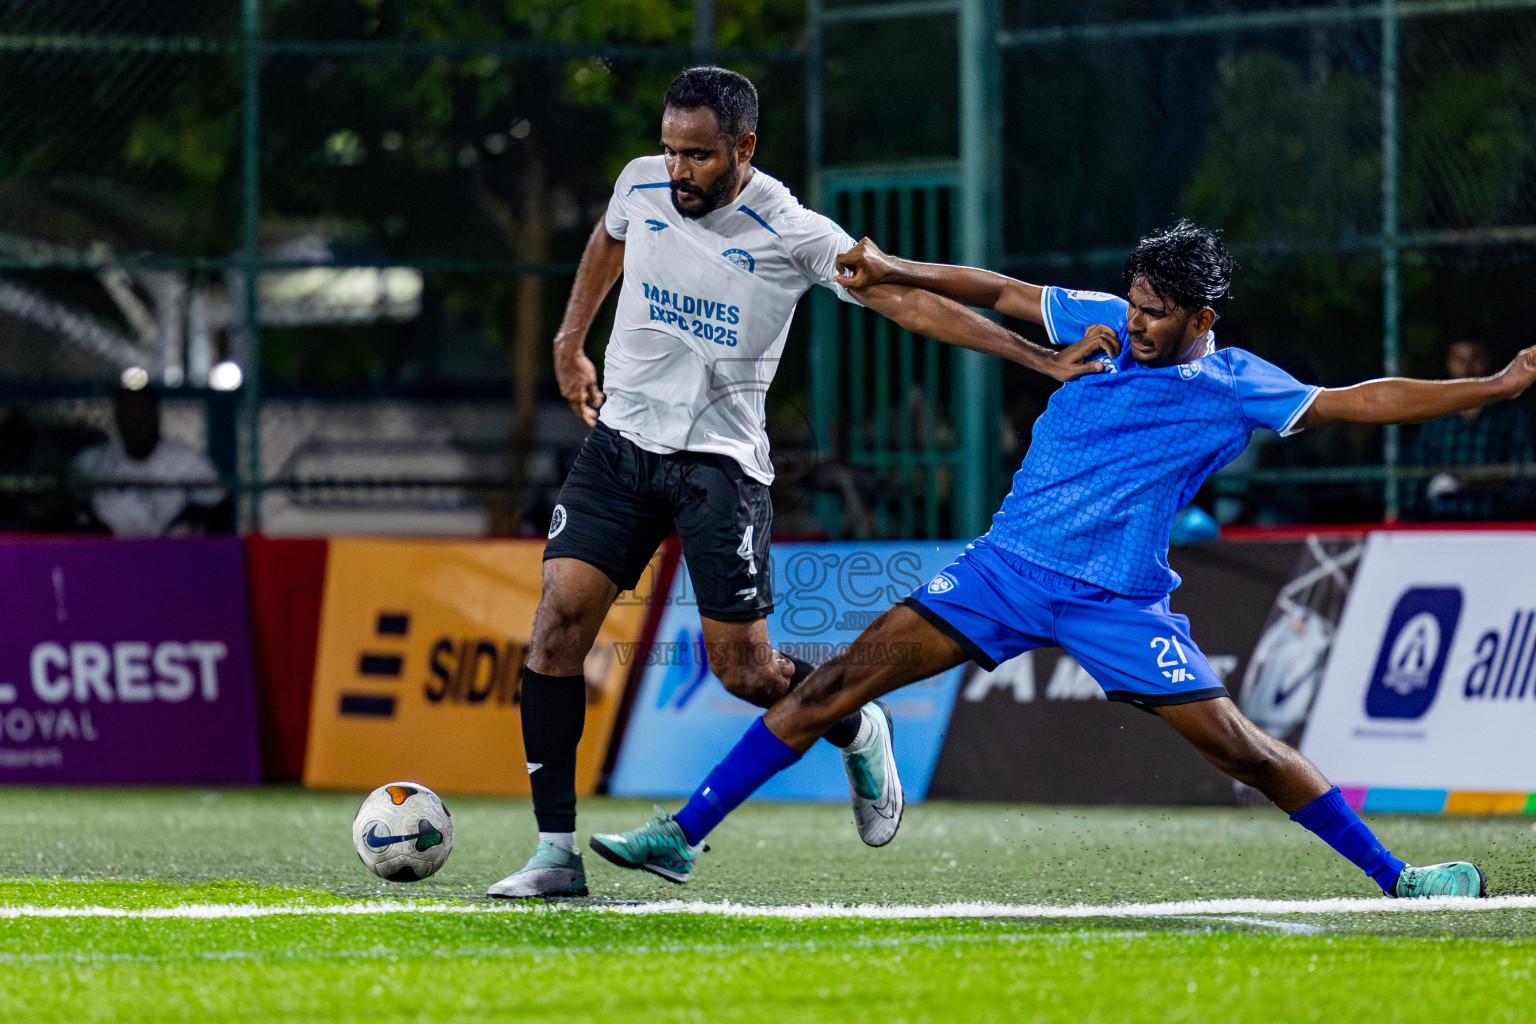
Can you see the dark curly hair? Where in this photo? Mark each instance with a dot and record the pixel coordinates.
(731, 96)
(1184, 264)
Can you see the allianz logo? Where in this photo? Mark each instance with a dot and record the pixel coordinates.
(1504, 666)
(1417, 654)
(1411, 661)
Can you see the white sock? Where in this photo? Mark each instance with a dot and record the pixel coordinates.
(862, 736)
(565, 840)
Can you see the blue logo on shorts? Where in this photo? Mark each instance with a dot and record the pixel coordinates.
(943, 583)
(1413, 653)
(742, 259)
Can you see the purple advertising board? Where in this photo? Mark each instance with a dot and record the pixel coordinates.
(126, 662)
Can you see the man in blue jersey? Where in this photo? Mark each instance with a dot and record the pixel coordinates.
(1077, 556)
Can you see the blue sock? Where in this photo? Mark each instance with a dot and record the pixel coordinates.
(757, 757)
(1336, 824)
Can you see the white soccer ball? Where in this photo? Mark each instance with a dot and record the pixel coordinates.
(402, 832)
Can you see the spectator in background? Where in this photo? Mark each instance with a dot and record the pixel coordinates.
(1495, 434)
(140, 456)
(35, 455)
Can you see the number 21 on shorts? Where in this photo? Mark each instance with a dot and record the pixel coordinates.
(1171, 659)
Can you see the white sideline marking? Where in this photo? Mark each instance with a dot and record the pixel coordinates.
(1081, 910)
(1181, 908)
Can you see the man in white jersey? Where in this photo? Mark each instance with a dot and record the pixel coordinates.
(714, 256)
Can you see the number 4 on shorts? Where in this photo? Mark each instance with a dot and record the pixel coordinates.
(744, 549)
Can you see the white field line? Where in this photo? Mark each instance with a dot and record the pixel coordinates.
(1082, 910)
(1181, 908)
(627, 949)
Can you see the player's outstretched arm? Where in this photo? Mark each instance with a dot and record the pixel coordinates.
(1403, 400)
(601, 264)
(866, 265)
(933, 316)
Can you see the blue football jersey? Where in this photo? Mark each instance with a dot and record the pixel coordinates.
(1117, 454)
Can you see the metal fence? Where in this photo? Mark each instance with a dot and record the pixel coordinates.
(409, 187)
(1373, 167)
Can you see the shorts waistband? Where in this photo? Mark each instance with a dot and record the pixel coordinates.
(1039, 573)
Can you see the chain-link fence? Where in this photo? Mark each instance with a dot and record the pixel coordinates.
(1372, 165)
(410, 186)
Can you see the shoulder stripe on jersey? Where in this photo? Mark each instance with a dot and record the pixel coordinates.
(753, 214)
(649, 184)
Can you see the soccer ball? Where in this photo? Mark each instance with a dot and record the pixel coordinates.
(402, 832)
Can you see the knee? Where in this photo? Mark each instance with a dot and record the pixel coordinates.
(556, 634)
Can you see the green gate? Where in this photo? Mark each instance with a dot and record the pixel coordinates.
(911, 422)
(908, 422)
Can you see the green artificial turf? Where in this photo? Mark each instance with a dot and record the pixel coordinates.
(289, 849)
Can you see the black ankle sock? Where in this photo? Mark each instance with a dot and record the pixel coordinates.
(842, 733)
(554, 708)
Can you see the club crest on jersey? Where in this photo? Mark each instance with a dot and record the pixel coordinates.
(742, 259)
(943, 583)
(1189, 371)
(557, 521)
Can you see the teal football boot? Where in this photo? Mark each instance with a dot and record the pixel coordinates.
(658, 846)
(1455, 878)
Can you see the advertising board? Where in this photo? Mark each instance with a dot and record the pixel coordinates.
(126, 662)
(683, 721)
(287, 579)
(1428, 701)
(420, 659)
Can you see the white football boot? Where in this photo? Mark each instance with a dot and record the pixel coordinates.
(550, 873)
(872, 778)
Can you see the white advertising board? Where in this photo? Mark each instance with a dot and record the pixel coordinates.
(1431, 683)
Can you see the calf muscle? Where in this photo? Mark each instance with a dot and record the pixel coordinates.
(853, 679)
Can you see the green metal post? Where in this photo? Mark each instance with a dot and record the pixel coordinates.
(1391, 300)
(250, 252)
(980, 155)
(815, 99)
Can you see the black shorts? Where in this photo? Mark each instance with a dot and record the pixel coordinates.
(619, 502)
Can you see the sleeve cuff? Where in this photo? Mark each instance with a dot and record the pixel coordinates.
(1045, 313)
(1290, 426)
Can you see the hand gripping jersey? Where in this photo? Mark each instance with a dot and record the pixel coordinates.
(704, 309)
(1117, 454)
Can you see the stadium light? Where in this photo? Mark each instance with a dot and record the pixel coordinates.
(225, 376)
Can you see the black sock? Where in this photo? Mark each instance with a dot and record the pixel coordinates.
(842, 733)
(554, 708)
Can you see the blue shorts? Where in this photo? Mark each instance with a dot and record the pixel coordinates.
(996, 606)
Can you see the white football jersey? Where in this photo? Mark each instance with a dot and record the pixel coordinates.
(704, 309)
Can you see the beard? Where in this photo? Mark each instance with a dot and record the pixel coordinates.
(713, 199)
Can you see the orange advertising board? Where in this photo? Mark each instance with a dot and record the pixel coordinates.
(421, 651)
